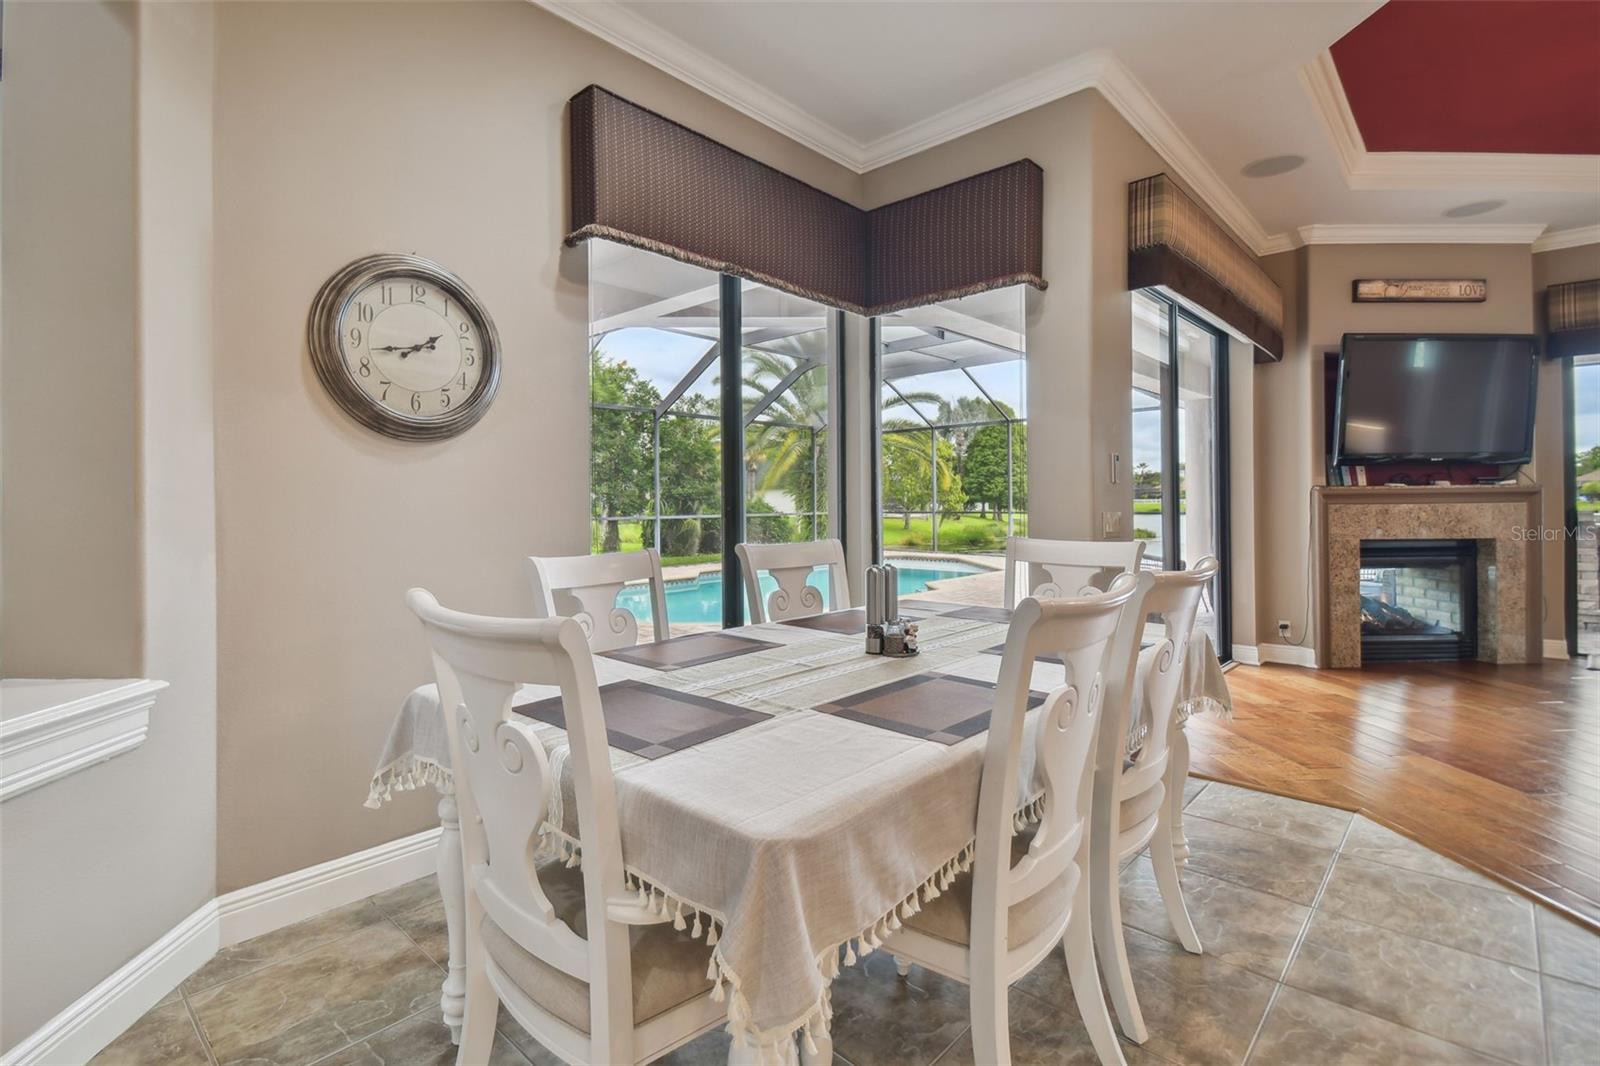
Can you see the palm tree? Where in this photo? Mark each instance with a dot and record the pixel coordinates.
(782, 445)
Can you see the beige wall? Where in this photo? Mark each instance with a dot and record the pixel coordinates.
(71, 592)
(1289, 399)
(1556, 268)
(107, 410)
(322, 525)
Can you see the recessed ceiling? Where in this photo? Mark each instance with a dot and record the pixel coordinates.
(1213, 86)
(1475, 76)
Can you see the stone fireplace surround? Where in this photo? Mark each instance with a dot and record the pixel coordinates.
(1510, 611)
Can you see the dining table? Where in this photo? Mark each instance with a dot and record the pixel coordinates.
(782, 795)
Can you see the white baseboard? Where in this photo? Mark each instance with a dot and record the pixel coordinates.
(1556, 649)
(1287, 654)
(302, 894)
(1246, 655)
(103, 1013)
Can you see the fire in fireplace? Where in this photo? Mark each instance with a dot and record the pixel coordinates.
(1419, 600)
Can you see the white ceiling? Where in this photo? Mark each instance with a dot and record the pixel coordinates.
(1211, 85)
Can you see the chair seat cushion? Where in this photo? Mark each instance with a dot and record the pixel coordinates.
(950, 916)
(669, 967)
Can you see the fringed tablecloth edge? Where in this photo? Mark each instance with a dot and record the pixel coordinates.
(410, 771)
(709, 923)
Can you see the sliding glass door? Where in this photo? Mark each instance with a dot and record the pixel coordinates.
(1583, 506)
(1180, 454)
(665, 394)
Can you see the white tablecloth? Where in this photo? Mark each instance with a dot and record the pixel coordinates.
(787, 841)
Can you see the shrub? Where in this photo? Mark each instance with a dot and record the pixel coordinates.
(765, 526)
(680, 536)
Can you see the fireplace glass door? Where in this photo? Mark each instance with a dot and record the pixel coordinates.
(1419, 601)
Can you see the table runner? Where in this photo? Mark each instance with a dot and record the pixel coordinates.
(788, 841)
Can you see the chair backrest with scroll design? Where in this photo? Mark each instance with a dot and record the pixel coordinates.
(503, 784)
(585, 587)
(790, 565)
(1080, 630)
(1173, 603)
(1052, 568)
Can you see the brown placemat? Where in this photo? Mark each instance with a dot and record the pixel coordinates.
(937, 707)
(852, 622)
(651, 721)
(694, 649)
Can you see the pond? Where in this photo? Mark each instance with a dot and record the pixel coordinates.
(699, 599)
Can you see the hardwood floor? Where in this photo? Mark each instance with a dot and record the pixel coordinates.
(1496, 766)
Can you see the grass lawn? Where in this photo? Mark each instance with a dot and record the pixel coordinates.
(632, 535)
(968, 533)
(1154, 507)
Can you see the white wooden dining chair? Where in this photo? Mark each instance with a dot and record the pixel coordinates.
(1135, 804)
(1045, 569)
(585, 587)
(1028, 889)
(790, 565)
(590, 973)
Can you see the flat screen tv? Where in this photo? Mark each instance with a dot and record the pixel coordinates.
(1466, 398)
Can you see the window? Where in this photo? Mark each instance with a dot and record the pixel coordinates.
(952, 442)
(657, 478)
(1180, 446)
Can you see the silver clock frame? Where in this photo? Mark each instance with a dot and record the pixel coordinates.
(322, 337)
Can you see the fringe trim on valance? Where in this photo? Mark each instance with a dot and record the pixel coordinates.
(702, 922)
(720, 266)
(405, 774)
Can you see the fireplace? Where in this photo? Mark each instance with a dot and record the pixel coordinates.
(1419, 600)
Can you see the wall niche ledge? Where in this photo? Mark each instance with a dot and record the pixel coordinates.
(50, 728)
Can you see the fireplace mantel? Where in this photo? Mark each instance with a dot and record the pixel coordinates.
(1503, 519)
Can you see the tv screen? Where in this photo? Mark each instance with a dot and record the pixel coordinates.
(1461, 398)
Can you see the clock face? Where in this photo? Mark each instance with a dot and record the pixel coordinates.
(411, 347)
(404, 347)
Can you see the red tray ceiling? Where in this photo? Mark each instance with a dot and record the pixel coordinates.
(1476, 76)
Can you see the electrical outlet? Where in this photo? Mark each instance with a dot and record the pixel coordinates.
(1110, 523)
(1283, 629)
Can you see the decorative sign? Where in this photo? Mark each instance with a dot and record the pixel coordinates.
(1418, 290)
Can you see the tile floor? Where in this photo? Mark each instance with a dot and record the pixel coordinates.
(1328, 939)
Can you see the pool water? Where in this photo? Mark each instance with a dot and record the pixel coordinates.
(700, 600)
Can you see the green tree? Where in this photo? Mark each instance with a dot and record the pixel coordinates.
(908, 471)
(620, 444)
(691, 469)
(787, 444)
(985, 475)
(1586, 461)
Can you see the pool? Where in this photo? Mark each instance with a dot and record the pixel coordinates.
(700, 599)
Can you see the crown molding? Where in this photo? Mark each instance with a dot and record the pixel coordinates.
(1081, 72)
(1139, 108)
(617, 25)
(1567, 238)
(1425, 233)
(1497, 171)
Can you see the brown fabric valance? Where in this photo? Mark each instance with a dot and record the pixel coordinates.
(1172, 242)
(1572, 317)
(646, 181)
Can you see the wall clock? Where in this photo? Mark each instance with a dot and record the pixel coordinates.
(404, 347)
